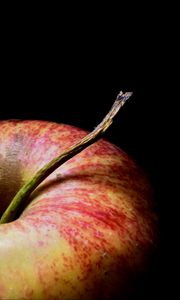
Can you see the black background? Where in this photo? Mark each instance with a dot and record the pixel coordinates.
(70, 70)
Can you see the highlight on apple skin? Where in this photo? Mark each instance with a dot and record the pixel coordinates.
(90, 228)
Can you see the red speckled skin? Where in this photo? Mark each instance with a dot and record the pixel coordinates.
(90, 226)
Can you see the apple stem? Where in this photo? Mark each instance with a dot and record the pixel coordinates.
(29, 187)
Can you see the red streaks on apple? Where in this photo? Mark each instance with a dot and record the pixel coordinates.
(90, 225)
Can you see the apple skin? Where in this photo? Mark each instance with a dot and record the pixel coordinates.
(90, 228)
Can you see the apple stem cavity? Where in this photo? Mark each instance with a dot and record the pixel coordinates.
(23, 194)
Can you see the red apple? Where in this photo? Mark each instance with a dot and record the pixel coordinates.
(90, 227)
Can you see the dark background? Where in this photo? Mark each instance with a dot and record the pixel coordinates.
(71, 69)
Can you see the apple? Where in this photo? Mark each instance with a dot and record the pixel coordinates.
(90, 227)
